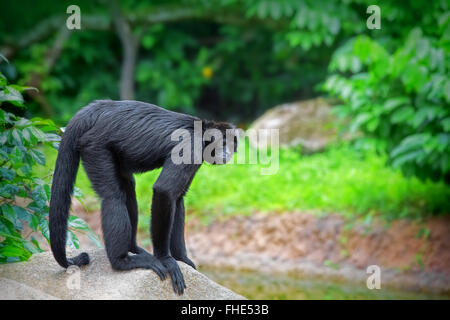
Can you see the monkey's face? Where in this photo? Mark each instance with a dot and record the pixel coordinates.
(229, 146)
(220, 144)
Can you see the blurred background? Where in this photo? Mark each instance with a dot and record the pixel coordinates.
(363, 113)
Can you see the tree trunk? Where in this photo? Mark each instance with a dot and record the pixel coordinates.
(129, 52)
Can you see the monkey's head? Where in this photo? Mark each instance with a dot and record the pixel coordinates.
(220, 140)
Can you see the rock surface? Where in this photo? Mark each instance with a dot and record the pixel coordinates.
(42, 278)
(307, 123)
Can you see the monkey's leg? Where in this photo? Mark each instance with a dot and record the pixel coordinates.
(128, 184)
(177, 242)
(163, 210)
(102, 170)
(170, 185)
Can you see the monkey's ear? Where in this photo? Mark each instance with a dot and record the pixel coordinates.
(208, 124)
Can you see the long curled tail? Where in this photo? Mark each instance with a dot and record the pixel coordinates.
(62, 188)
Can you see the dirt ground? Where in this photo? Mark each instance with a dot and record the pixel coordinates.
(291, 236)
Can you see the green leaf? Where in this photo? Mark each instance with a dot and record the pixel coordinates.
(38, 133)
(7, 174)
(334, 26)
(36, 243)
(148, 41)
(275, 10)
(72, 240)
(23, 214)
(17, 137)
(415, 141)
(4, 58)
(8, 230)
(446, 90)
(393, 103)
(29, 136)
(38, 156)
(11, 95)
(360, 120)
(34, 222)
(78, 223)
(372, 125)
(406, 157)
(15, 251)
(415, 77)
(53, 137)
(32, 247)
(9, 213)
(39, 196)
(8, 190)
(43, 225)
(77, 192)
(446, 124)
(22, 122)
(95, 239)
(23, 88)
(402, 115)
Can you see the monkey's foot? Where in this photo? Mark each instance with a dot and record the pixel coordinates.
(186, 260)
(155, 265)
(146, 260)
(143, 260)
(172, 267)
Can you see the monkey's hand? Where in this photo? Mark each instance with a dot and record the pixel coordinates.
(186, 260)
(172, 267)
(157, 267)
(151, 262)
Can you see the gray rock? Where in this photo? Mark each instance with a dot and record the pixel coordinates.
(42, 278)
(13, 290)
(308, 123)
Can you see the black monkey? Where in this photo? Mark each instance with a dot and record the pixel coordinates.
(115, 139)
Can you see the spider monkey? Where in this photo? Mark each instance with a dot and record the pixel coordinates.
(115, 139)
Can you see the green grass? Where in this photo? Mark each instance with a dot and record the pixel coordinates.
(340, 180)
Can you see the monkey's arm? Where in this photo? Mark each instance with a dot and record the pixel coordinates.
(177, 242)
(171, 185)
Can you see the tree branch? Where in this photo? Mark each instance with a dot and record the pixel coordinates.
(163, 14)
(47, 28)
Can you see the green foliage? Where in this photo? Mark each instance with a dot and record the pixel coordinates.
(24, 196)
(259, 54)
(158, 75)
(237, 59)
(401, 98)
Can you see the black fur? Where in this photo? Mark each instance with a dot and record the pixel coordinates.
(116, 139)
